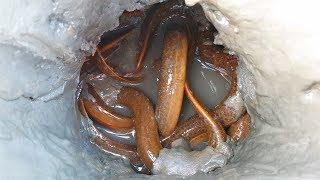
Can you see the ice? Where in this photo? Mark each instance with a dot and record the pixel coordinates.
(42, 45)
(181, 161)
(278, 79)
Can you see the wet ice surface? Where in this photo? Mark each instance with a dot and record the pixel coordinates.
(47, 127)
(278, 82)
(42, 43)
(180, 161)
(39, 74)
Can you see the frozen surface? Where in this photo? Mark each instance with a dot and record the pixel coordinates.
(181, 161)
(277, 42)
(42, 43)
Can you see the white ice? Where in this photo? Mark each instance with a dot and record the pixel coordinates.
(42, 44)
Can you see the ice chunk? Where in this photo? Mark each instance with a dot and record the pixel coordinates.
(180, 161)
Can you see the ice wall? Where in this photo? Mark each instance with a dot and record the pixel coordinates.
(42, 43)
(277, 42)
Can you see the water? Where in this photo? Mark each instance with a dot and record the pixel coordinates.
(206, 82)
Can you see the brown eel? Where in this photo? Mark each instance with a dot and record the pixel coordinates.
(186, 129)
(102, 114)
(110, 146)
(215, 129)
(240, 130)
(146, 128)
(179, 49)
(171, 81)
(198, 140)
(107, 69)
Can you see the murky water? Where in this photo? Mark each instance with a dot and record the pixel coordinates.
(206, 82)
